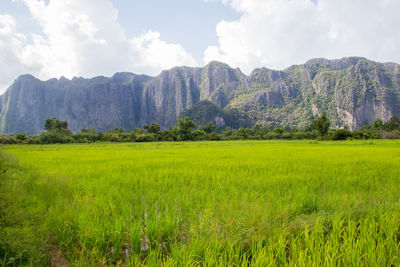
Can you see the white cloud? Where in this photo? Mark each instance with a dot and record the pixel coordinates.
(279, 33)
(155, 54)
(82, 38)
(11, 48)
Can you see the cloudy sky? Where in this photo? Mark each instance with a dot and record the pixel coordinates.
(53, 38)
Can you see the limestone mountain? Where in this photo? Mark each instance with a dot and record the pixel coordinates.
(353, 91)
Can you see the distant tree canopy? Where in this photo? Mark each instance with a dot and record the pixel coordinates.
(392, 124)
(209, 127)
(57, 132)
(54, 124)
(185, 129)
(320, 124)
(377, 124)
(153, 128)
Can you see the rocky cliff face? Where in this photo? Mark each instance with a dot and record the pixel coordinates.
(353, 92)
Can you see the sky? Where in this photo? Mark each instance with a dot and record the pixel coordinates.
(54, 38)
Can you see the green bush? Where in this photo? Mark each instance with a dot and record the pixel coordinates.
(199, 135)
(55, 138)
(340, 134)
(147, 138)
(6, 139)
(83, 137)
(390, 135)
(21, 137)
(113, 137)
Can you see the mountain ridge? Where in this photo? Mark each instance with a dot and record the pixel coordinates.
(353, 91)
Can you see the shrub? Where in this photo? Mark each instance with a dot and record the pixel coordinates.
(55, 138)
(340, 134)
(168, 135)
(112, 137)
(21, 137)
(5, 139)
(33, 140)
(146, 138)
(199, 135)
(299, 135)
(83, 137)
(390, 135)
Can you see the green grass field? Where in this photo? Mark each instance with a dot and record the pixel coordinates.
(259, 203)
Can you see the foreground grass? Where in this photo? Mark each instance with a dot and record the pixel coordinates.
(201, 204)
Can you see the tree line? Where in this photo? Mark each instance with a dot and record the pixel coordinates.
(184, 130)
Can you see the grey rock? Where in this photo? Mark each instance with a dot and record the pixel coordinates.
(353, 91)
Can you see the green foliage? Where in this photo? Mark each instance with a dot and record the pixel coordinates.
(6, 139)
(185, 130)
(169, 134)
(54, 137)
(54, 124)
(113, 137)
(242, 133)
(199, 134)
(206, 111)
(57, 132)
(21, 137)
(228, 132)
(148, 137)
(392, 124)
(209, 127)
(185, 127)
(377, 124)
(86, 136)
(390, 135)
(340, 134)
(153, 128)
(320, 124)
(116, 131)
(133, 137)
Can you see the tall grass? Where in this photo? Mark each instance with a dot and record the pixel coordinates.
(202, 204)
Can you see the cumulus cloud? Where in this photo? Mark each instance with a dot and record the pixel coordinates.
(82, 38)
(279, 33)
(11, 49)
(154, 55)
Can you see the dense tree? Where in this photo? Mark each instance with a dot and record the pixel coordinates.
(320, 124)
(242, 133)
(185, 127)
(55, 137)
(58, 132)
(153, 128)
(392, 124)
(54, 124)
(377, 124)
(21, 137)
(168, 135)
(116, 130)
(340, 134)
(87, 136)
(209, 127)
(88, 130)
(228, 132)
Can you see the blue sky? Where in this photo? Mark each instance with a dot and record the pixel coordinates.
(53, 38)
(189, 23)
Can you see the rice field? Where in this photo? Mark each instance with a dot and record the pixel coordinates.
(235, 203)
